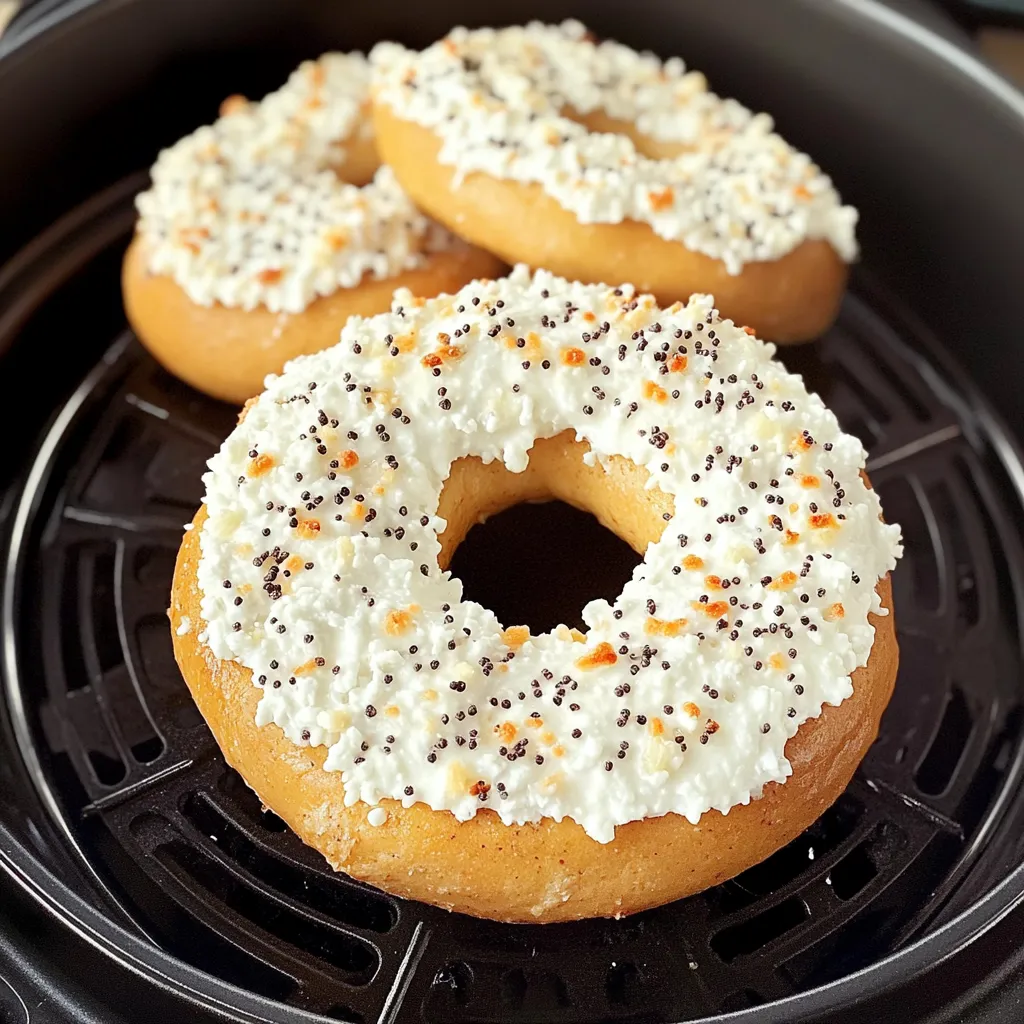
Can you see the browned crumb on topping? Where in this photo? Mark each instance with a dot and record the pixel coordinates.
(664, 627)
(824, 521)
(516, 636)
(507, 731)
(261, 464)
(713, 609)
(397, 622)
(833, 612)
(655, 393)
(337, 239)
(308, 529)
(661, 200)
(443, 353)
(602, 654)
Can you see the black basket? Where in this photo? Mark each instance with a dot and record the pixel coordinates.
(181, 851)
(118, 813)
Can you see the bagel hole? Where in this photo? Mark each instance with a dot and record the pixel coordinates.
(597, 121)
(537, 565)
(536, 546)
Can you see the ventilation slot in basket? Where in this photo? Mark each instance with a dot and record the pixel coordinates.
(356, 962)
(751, 935)
(334, 897)
(939, 766)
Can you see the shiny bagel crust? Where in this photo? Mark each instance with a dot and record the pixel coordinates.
(550, 871)
(791, 299)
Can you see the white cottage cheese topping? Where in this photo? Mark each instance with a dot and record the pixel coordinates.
(249, 211)
(320, 572)
(498, 99)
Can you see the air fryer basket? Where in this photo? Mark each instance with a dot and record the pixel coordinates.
(118, 787)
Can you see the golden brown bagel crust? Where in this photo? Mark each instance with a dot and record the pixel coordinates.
(552, 871)
(227, 353)
(791, 299)
(361, 159)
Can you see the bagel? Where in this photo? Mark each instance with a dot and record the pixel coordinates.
(602, 164)
(707, 716)
(262, 233)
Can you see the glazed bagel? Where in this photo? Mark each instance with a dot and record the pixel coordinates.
(262, 233)
(551, 871)
(601, 164)
(707, 716)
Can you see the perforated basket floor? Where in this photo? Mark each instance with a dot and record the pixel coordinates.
(180, 851)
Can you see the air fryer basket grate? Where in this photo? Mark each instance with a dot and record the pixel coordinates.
(179, 847)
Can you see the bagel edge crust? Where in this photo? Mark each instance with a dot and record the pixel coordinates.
(534, 873)
(789, 300)
(227, 353)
